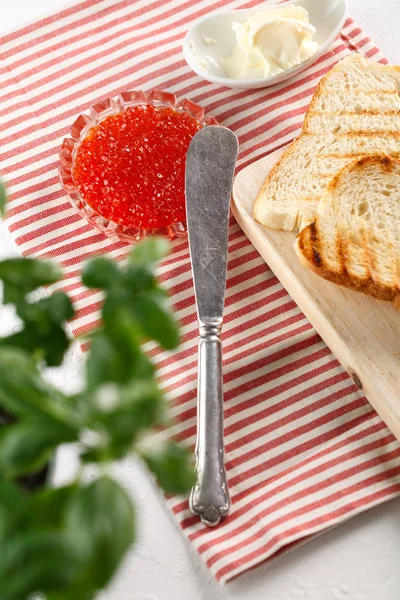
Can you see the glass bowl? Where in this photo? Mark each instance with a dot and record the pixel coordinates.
(78, 132)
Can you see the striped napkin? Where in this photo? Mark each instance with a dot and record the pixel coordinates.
(305, 450)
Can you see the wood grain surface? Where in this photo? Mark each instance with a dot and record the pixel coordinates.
(363, 333)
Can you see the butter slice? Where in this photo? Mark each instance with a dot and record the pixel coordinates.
(270, 43)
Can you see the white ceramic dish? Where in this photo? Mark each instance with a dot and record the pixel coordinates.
(327, 16)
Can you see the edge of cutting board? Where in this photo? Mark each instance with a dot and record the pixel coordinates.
(362, 332)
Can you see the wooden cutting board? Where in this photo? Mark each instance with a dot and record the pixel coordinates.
(362, 332)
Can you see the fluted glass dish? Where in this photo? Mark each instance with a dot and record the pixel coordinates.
(78, 132)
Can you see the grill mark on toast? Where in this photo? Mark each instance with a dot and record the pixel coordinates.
(316, 256)
(341, 248)
(309, 242)
(351, 155)
(385, 161)
(349, 113)
(370, 133)
(374, 92)
(368, 252)
(367, 285)
(357, 90)
(397, 269)
(340, 81)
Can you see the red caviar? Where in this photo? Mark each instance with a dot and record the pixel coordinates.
(131, 167)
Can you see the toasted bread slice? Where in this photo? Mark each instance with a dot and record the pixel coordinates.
(376, 124)
(290, 196)
(355, 238)
(355, 112)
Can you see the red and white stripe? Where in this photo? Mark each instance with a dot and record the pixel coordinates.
(304, 449)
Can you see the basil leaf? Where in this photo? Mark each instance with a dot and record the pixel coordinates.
(57, 308)
(149, 252)
(155, 320)
(76, 592)
(3, 199)
(11, 496)
(138, 278)
(100, 273)
(12, 504)
(116, 356)
(67, 543)
(101, 521)
(45, 514)
(37, 560)
(104, 363)
(43, 333)
(23, 275)
(27, 446)
(49, 345)
(172, 467)
(47, 506)
(23, 392)
(121, 413)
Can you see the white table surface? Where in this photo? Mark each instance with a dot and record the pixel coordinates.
(357, 561)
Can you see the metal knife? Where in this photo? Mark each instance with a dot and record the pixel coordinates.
(210, 166)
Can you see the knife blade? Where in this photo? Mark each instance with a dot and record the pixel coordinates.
(210, 166)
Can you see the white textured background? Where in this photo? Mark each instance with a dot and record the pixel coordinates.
(360, 560)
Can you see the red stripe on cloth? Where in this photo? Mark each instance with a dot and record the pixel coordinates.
(377, 427)
(299, 397)
(239, 390)
(27, 237)
(35, 188)
(297, 432)
(282, 459)
(43, 214)
(126, 18)
(231, 376)
(228, 348)
(41, 171)
(301, 529)
(125, 57)
(258, 487)
(327, 436)
(92, 59)
(252, 420)
(44, 246)
(27, 162)
(14, 35)
(79, 38)
(64, 29)
(340, 460)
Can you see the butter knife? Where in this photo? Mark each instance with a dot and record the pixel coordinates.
(210, 166)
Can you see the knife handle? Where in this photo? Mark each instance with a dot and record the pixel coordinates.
(210, 496)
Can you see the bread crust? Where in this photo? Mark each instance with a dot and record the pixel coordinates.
(320, 90)
(290, 149)
(274, 218)
(259, 200)
(309, 246)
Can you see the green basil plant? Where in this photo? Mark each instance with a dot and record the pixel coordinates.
(66, 543)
